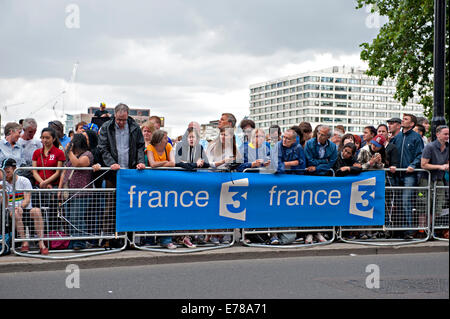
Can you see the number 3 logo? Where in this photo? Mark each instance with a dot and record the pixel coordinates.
(363, 197)
(233, 199)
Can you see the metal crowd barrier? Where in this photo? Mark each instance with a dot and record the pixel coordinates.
(249, 235)
(398, 201)
(88, 215)
(3, 218)
(70, 221)
(440, 210)
(148, 240)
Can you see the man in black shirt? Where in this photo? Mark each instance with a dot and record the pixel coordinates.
(102, 112)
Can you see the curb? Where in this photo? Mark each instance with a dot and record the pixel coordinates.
(9, 264)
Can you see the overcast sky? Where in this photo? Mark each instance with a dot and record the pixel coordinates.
(184, 59)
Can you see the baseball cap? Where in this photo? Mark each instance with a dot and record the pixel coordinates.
(378, 141)
(102, 104)
(395, 120)
(8, 162)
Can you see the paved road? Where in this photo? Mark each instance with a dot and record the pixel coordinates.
(401, 276)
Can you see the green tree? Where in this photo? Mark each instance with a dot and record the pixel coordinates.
(403, 49)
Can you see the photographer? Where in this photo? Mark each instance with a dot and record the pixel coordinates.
(373, 155)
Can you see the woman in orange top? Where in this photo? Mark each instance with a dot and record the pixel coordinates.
(160, 152)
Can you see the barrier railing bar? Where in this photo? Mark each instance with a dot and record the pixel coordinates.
(394, 241)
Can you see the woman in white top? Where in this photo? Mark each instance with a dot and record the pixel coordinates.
(223, 150)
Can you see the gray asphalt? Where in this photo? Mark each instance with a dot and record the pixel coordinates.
(405, 276)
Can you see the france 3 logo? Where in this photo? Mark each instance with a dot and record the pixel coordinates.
(233, 199)
(362, 198)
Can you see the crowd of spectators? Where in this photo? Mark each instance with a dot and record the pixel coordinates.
(120, 143)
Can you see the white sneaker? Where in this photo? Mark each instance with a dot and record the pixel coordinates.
(226, 239)
(214, 240)
(309, 239)
(170, 246)
(320, 238)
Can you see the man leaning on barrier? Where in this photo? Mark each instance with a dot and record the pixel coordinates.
(410, 146)
(291, 157)
(320, 152)
(22, 205)
(255, 152)
(321, 155)
(435, 159)
(121, 144)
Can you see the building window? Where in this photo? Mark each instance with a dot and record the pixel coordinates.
(326, 95)
(341, 80)
(354, 81)
(326, 79)
(340, 112)
(326, 87)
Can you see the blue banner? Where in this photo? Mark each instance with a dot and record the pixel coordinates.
(151, 200)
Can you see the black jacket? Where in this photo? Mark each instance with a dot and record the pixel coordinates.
(108, 148)
(340, 162)
(392, 156)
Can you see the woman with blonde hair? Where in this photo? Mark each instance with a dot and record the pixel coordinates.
(148, 128)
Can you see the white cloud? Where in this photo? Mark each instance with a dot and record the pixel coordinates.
(183, 61)
(221, 84)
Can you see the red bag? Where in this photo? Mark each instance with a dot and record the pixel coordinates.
(58, 244)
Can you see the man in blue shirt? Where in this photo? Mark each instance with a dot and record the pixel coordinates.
(320, 152)
(290, 153)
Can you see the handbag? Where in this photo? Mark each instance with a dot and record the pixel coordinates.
(58, 244)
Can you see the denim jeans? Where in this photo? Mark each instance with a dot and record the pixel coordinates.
(408, 180)
(78, 208)
(165, 240)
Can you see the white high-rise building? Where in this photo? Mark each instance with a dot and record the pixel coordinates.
(334, 96)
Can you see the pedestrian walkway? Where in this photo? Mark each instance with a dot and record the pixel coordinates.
(133, 257)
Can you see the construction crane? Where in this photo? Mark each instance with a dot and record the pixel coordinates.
(5, 110)
(64, 91)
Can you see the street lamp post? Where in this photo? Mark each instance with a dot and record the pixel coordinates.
(439, 66)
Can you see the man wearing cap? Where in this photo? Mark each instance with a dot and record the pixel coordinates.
(394, 126)
(102, 112)
(59, 128)
(409, 145)
(22, 204)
